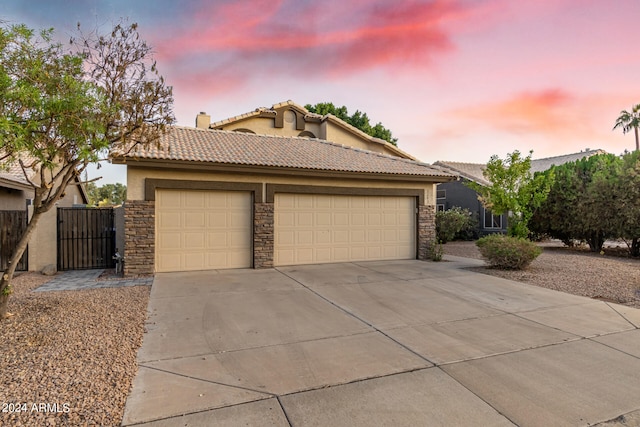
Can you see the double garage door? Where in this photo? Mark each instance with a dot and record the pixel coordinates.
(199, 230)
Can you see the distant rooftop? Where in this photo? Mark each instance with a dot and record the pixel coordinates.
(475, 171)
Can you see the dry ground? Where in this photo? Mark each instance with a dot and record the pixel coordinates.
(73, 350)
(579, 272)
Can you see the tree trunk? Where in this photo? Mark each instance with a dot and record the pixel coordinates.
(637, 141)
(635, 247)
(7, 275)
(596, 241)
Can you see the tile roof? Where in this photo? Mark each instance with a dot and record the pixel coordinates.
(471, 171)
(540, 165)
(12, 176)
(239, 148)
(475, 171)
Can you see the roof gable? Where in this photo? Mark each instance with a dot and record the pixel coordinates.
(198, 146)
(275, 112)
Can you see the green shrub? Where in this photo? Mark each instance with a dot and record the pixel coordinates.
(507, 253)
(435, 251)
(453, 222)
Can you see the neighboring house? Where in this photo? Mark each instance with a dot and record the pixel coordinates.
(290, 119)
(16, 194)
(212, 199)
(14, 188)
(456, 193)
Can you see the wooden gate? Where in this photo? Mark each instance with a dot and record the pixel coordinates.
(12, 225)
(86, 238)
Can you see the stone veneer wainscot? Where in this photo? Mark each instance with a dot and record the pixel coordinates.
(140, 242)
(426, 230)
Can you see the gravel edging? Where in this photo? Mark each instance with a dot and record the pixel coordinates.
(607, 278)
(71, 353)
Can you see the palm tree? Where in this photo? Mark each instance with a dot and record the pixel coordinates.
(630, 120)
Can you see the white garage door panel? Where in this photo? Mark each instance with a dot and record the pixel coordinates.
(201, 230)
(324, 228)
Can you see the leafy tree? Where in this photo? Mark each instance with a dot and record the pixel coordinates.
(554, 217)
(358, 119)
(584, 202)
(513, 189)
(106, 195)
(627, 198)
(628, 121)
(60, 110)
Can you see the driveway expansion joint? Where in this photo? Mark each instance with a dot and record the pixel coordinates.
(361, 320)
(268, 394)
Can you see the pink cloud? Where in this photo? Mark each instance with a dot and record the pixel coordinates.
(549, 111)
(318, 39)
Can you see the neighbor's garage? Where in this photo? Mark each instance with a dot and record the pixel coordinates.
(200, 230)
(314, 228)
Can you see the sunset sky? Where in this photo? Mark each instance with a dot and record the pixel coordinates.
(456, 80)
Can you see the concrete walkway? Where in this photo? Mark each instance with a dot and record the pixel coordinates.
(88, 279)
(403, 343)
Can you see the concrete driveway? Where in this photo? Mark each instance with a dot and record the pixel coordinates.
(401, 343)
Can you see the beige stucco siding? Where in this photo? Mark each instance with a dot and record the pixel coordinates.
(325, 130)
(12, 200)
(340, 135)
(136, 181)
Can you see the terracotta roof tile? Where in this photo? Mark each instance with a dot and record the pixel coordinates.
(11, 172)
(225, 147)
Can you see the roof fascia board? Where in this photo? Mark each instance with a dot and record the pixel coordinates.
(14, 185)
(274, 170)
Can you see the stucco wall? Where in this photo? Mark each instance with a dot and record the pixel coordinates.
(340, 135)
(136, 179)
(12, 200)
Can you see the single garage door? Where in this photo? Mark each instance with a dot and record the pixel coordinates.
(201, 230)
(313, 228)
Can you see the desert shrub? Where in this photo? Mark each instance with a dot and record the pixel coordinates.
(435, 251)
(453, 223)
(507, 253)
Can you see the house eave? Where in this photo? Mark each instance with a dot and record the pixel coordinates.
(14, 185)
(277, 170)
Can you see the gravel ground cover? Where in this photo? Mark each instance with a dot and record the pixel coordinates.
(69, 357)
(578, 272)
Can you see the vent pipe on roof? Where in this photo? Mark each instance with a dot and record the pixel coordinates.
(203, 120)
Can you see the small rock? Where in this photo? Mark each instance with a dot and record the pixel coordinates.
(49, 270)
